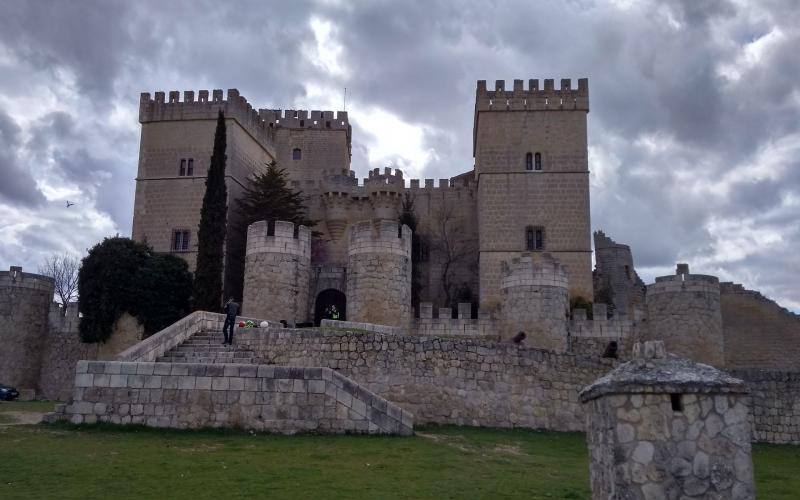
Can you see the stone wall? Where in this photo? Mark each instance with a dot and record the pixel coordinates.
(445, 380)
(535, 300)
(277, 271)
(61, 350)
(758, 332)
(775, 405)
(684, 311)
(463, 325)
(25, 300)
(264, 398)
(379, 273)
(640, 447)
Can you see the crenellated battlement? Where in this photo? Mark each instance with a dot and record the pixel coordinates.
(386, 183)
(684, 282)
(534, 98)
(534, 269)
(300, 118)
(169, 107)
(278, 237)
(15, 278)
(380, 236)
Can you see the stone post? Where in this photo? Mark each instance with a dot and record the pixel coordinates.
(661, 426)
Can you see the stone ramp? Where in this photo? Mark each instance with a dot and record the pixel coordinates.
(247, 396)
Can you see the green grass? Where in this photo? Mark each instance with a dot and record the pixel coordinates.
(62, 461)
(32, 406)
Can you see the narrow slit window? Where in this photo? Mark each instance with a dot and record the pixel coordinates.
(182, 169)
(190, 167)
(529, 161)
(297, 154)
(530, 243)
(676, 401)
(538, 161)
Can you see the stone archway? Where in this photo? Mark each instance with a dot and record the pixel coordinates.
(330, 304)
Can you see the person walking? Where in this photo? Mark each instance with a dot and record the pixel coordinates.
(231, 310)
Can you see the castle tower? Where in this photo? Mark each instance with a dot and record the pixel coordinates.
(385, 192)
(277, 271)
(175, 152)
(308, 143)
(684, 311)
(535, 301)
(379, 273)
(661, 426)
(25, 300)
(615, 279)
(531, 164)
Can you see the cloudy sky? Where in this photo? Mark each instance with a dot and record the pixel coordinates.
(694, 129)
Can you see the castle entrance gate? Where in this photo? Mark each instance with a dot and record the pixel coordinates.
(330, 304)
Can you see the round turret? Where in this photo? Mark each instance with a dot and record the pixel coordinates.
(25, 300)
(277, 271)
(379, 273)
(336, 195)
(385, 192)
(684, 311)
(535, 300)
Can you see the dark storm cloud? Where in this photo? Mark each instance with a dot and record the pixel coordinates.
(682, 107)
(17, 185)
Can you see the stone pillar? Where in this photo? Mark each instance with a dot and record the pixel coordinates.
(535, 300)
(379, 273)
(661, 426)
(277, 272)
(25, 300)
(684, 311)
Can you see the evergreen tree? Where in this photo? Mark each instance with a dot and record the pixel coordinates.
(269, 197)
(207, 289)
(120, 275)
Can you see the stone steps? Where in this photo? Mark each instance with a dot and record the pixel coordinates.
(206, 347)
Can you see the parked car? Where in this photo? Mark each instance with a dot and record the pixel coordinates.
(8, 393)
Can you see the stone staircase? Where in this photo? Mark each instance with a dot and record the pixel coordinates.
(206, 347)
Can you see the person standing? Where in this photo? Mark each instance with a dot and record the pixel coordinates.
(231, 310)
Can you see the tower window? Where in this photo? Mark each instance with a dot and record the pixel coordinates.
(327, 124)
(297, 154)
(538, 161)
(534, 238)
(529, 161)
(187, 167)
(180, 240)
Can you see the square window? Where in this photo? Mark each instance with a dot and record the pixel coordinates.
(180, 240)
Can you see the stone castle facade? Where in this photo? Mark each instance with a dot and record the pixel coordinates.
(500, 249)
(528, 192)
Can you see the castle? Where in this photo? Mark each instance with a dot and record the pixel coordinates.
(500, 249)
(528, 192)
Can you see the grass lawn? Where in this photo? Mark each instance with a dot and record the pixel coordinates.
(62, 461)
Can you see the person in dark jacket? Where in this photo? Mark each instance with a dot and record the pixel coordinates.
(231, 310)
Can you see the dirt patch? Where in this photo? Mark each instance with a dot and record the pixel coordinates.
(22, 418)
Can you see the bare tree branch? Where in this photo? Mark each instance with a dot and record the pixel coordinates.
(64, 271)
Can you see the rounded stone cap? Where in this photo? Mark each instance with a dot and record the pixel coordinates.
(655, 371)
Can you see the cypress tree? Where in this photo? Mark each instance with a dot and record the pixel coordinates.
(207, 289)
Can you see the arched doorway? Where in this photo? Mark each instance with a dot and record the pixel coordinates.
(330, 304)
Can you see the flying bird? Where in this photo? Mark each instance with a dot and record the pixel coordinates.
(69, 204)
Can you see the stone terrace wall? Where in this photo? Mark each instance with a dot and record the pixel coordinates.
(447, 381)
(265, 398)
(775, 408)
(758, 332)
